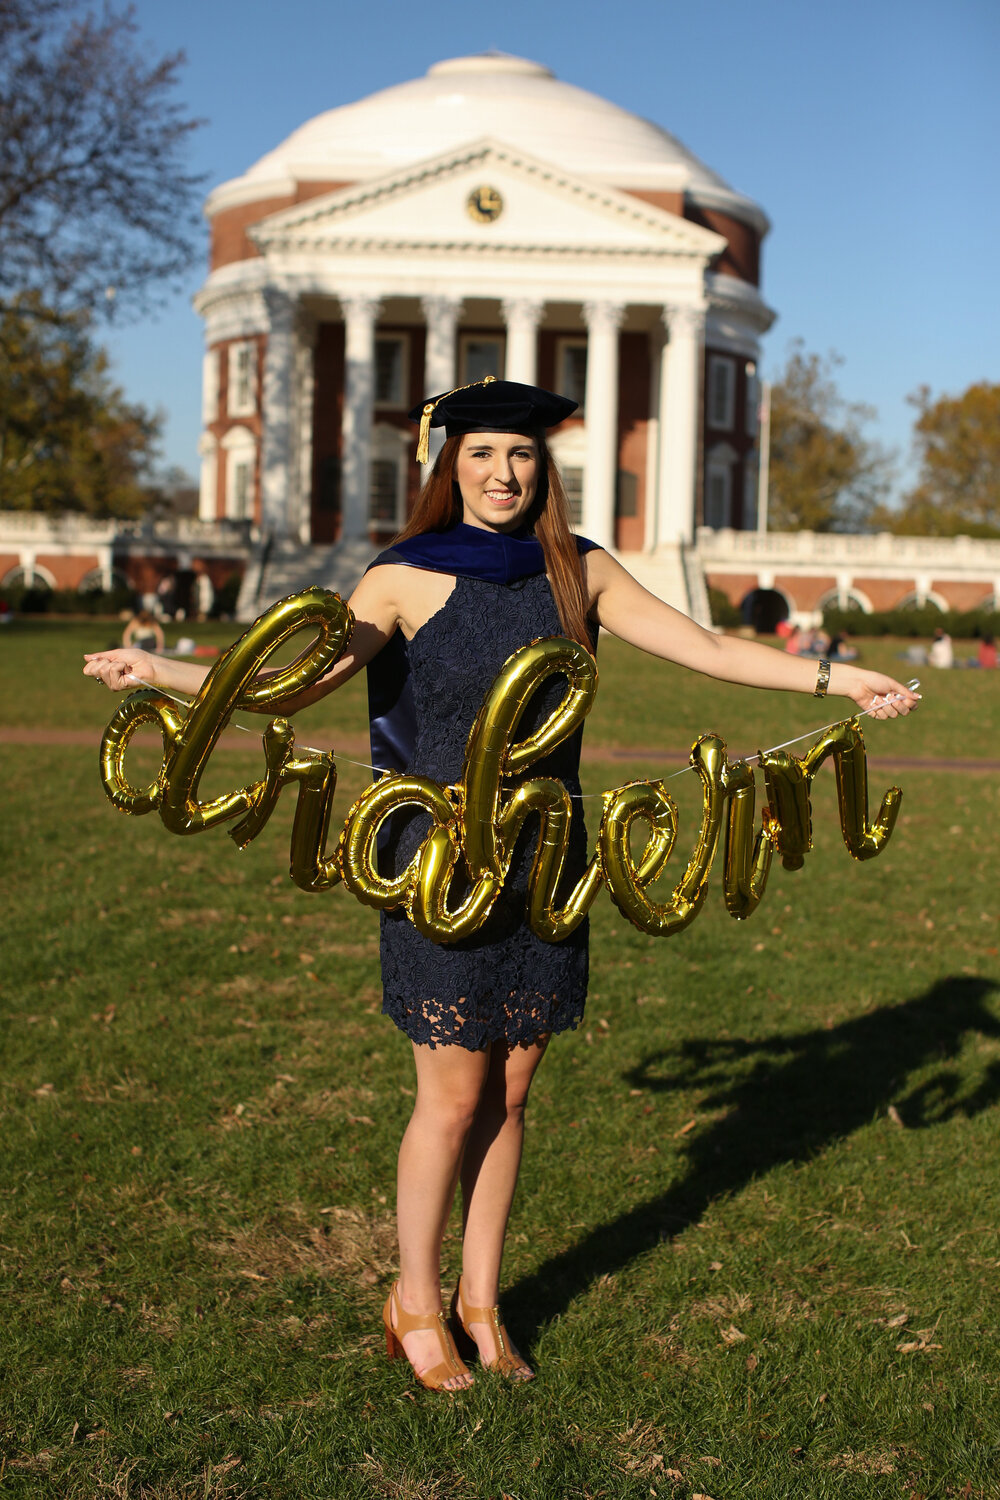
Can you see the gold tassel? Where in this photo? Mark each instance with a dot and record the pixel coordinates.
(424, 440)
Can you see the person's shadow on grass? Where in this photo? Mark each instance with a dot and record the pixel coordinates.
(786, 1098)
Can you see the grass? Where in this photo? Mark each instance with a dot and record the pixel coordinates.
(755, 1247)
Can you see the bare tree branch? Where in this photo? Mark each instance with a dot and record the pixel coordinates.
(94, 190)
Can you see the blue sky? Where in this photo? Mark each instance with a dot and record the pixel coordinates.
(868, 132)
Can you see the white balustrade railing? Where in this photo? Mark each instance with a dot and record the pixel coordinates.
(883, 552)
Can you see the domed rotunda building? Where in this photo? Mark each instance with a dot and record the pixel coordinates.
(422, 238)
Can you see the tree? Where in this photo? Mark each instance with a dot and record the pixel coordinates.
(69, 441)
(825, 475)
(957, 443)
(95, 204)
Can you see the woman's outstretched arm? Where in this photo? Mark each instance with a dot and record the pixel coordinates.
(375, 614)
(620, 604)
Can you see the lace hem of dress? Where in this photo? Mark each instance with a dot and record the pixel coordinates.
(519, 1021)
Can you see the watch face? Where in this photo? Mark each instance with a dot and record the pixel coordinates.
(484, 204)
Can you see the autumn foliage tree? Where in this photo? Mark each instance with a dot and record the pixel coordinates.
(825, 474)
(957, 442)
(69, 440)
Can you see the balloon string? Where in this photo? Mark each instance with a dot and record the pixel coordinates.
(877, 703)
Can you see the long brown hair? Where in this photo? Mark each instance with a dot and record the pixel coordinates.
(439, 506)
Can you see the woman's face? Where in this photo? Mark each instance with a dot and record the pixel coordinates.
(497, 474)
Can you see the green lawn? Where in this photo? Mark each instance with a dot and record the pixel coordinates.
(755, 1248)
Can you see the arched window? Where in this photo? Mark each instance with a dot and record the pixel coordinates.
(28, 578)
(95, 580)
(915, 601)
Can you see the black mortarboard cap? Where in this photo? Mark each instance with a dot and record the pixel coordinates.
(489, 405)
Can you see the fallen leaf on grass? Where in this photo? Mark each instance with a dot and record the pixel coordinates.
(895, 1116)
(706, 1458)
(752, 1362)
(898, 1321)
(732, 1335)
(685, 1129)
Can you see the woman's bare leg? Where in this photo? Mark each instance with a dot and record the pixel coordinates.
(449, 1085)
(489, 1176)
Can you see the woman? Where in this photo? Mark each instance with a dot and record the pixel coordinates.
(486, 565)
(144, 632)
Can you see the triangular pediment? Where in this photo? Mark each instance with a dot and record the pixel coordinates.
(485, 197)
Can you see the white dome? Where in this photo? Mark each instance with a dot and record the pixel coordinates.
(463, 99)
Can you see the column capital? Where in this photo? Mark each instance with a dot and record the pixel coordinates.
(603, 317)
(441, 309)
(360, 307)
(684, 319)
(525, 310)
(281, 308)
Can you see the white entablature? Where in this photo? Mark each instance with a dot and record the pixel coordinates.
(543, 208)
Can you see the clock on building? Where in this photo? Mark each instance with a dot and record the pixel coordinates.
(484, 204)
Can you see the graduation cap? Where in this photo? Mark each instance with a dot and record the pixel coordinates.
(489, 405)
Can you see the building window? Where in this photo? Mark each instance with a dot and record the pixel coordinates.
(241, 401)
(571, 370)
(750, 483)
(384, 498)
(721, 392)
(242, 509)
(718, 496)
(240, 448)
(481, 355)
(573, 485)
(391, 369)
(387, 481)
(626, 496)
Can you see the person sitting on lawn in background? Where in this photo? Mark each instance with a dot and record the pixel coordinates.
(941, 653)
(144, 632)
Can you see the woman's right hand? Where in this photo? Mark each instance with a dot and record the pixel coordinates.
(119, 668)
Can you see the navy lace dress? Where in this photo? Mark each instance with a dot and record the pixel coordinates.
(503, 983)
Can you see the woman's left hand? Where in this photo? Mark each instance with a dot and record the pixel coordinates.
(879, 696)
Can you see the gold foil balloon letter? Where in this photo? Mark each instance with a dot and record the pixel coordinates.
(474, 825)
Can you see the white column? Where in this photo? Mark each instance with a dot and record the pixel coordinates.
(360, 314)
(600, 408)
(209, 386)
(680, 408)
(305, 381)
(208, 489)
(442, 314)
(276, 469)
(522, 316)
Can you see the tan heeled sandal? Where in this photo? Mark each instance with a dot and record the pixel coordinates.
(398, 1323)
(507, 1363)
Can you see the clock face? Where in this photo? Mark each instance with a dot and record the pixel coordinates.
(484, 204)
